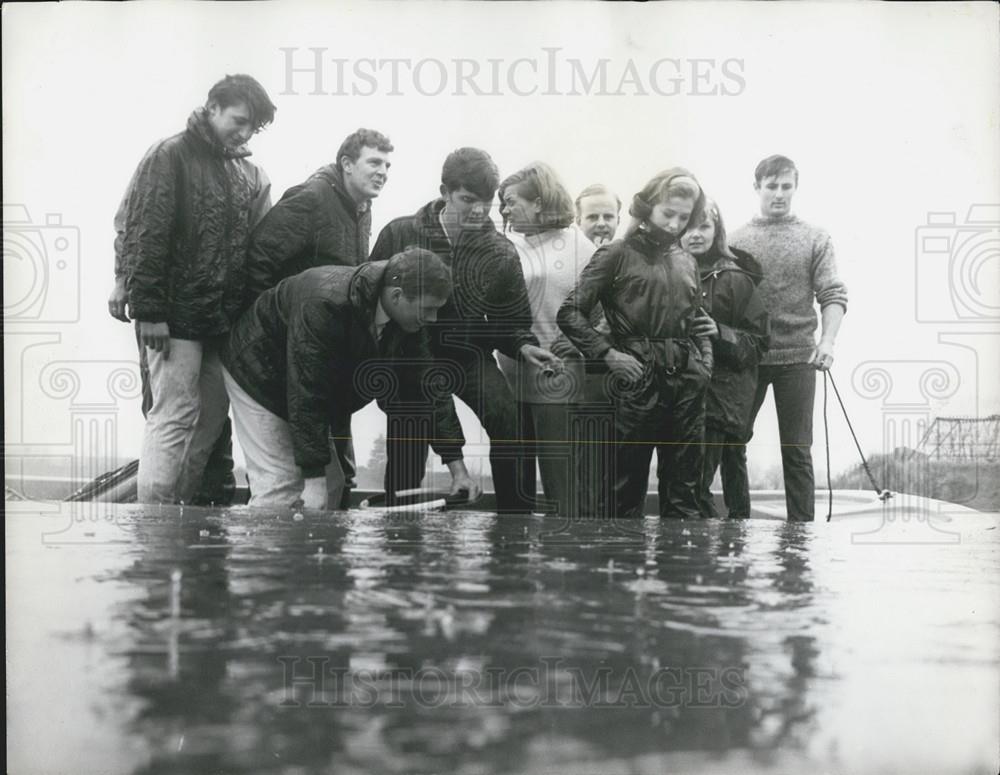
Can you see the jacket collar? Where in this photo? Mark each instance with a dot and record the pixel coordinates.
(429, 220)
(744, 262)
(333, 176)
(541, 238)
(364, 288)
(651, 240)
(198, 126)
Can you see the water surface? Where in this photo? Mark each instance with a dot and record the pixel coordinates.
(190, 641)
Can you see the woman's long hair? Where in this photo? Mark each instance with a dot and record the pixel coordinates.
(539, 181)
(674, 182)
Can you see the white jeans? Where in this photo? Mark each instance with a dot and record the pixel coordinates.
(275, 480)
(189, 408)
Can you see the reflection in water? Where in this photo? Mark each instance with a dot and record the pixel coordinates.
(360, 642)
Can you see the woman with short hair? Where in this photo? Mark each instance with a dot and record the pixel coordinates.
(539, 219)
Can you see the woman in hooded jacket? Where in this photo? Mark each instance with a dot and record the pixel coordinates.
(658, 352)
(729, 279)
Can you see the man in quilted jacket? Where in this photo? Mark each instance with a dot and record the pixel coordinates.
(319, 346)
(185, 231)
(324, 221)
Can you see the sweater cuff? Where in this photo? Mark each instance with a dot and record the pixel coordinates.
(313, 472)
(451, 456)
(598, 351)
(148, 313)
(727, 334)
(448, 451)
(840, 302)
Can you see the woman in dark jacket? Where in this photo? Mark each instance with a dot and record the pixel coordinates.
(729, 277)
(658, 352)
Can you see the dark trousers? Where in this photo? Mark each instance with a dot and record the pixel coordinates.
(666, 414)
(729, 452)
(342, 445)
(486, 392)
(218, 483)
(561, 438)
(794, 388)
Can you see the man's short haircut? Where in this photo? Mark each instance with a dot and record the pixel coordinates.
(472, 169)
(597, 189)
(418, 272)
(362, 138)
(234, 89)
(773, 166)
(539, 181)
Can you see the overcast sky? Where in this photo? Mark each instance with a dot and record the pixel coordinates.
(889, 110)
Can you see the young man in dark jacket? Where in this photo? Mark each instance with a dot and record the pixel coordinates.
(316, 348)
(729, 279)
(325, 221)
(218, 485)
(186, 225)
(488, 310)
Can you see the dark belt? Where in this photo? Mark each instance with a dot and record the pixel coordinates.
(669, 354)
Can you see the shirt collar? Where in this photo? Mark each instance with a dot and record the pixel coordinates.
(381, 319)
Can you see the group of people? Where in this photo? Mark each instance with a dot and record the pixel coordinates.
(579, 353)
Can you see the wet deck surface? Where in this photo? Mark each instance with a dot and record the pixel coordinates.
(199, 641)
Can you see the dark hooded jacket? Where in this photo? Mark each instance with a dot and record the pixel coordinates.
(185, 231)
(489, 308)
(316, 223)
(730, 297)
(649, 288)
(306, 351)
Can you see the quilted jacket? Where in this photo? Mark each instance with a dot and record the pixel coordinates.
(185, 231)
(489, 308)
(314, 224)
(306, 351)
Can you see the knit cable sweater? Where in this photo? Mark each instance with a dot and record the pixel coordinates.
(551, 262)
(799, 266)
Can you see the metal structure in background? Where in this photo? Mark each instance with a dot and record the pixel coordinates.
(963, 439)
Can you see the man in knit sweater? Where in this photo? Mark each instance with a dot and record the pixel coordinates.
(799, 267)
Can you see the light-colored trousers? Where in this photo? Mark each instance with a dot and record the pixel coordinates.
(275, 480)
(189, 408)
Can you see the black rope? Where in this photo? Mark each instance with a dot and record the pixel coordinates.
(826, 436)
(882, 494)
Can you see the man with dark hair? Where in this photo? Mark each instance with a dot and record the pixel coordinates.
(297, 364)
(799, 267)
(489, 310)
(325, 221)
(598, 210)
(183, 229)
